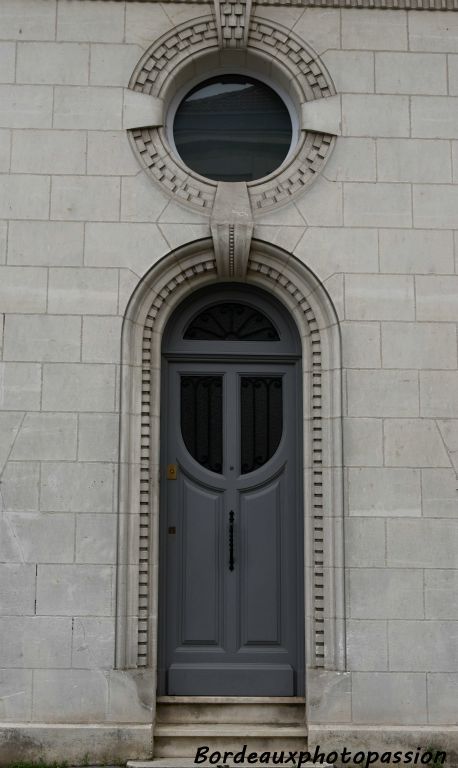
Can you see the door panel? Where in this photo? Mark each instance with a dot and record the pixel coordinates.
(234, 439)
(199, 568)
(260, 569)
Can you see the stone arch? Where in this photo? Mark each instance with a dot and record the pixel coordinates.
(161, 290)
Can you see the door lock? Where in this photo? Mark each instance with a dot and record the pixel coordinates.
(171, 471)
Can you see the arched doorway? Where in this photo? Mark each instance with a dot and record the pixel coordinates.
(231, 600)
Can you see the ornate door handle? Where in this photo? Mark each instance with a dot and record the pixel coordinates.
(231, 540)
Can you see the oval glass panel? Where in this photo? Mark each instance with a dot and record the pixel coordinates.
(202, 419)
(261, 407)
(232, 128)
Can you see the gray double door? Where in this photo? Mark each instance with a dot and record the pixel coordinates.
(231, 604)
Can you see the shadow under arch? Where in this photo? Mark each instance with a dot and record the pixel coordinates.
(159, 292)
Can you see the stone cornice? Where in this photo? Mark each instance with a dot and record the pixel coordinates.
(393, 5)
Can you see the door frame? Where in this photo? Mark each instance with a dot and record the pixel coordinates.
(311, 308)
(290, 354)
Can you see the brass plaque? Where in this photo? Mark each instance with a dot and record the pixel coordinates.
(171, 471)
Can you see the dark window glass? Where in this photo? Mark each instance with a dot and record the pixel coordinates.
(232, 128)
(231, 322)
(202, 419)
(261, 419)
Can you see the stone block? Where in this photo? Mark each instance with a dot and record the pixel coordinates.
(439, 492)
(437, 299)
(419, 345)
(377, 205)
(379, 297)
(441, 594)
(449, 432)
(320, 27)
(93, 643)
(386, 593)
(28, 19)
(143, 201)
(363, 442)
(113, 64)
(411, 73)
(35, 642)
(384, 492)
(387, 697)
(20, 386)
(453, 74)
(384, 30)
(48, 152)
(328, 696)
(438, 32)
(5, 150)
(78, 387)
(321, 206)
(77, 487)
(367, 647)
(98, 437)
(419, 646)
(144, 24)
(44, 538)
(72, 590)
(435, 117)
(424, 543)
(20, 486)
(352, 71)
(96, 539)
(416, 251)
(45, 243)
(374, 115)
(352, 160)
(10, 424)
(52, 63)
(414, 160)
(439, 394)
(25, 106)
(286, 237)
(361, 345)
(47, 437)
(83, 291)
(382, 393)
(83, 198)
(365, 543)
(434, 207)
(136, 246)
(22, 290)
(93, 108)
(69, 695)
(7, 62)
(17, 597)
(442, 698)
(90, 22)
(327, 250)
(414, 443)
(42, 338)
(15, 694)
(109, 153)
(101, 339)
(24, 197)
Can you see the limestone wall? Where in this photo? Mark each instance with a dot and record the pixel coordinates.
(81, 223)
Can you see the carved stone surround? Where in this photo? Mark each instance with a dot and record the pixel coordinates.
(270, 45)
(159, 293)
(382, 5)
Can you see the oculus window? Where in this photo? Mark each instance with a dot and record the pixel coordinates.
(232, 128)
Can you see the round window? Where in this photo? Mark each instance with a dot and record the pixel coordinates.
(232, 128)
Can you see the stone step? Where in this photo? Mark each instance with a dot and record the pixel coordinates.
(184, 739)
(265, 712)
(188, 762)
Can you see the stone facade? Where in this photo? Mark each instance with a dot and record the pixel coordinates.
(85, 238)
